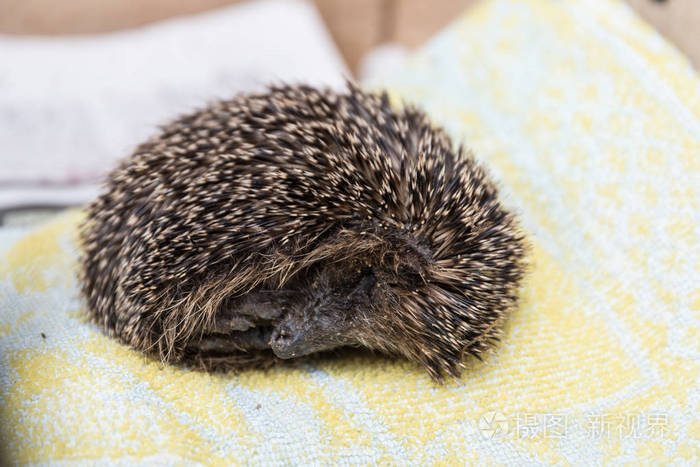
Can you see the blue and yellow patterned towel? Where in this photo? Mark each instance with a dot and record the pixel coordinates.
(591, 123)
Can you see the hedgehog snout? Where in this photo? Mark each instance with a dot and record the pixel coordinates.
(282, 341)
(312, 328)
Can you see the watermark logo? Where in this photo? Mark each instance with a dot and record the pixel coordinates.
(521, 425)
(493, 425)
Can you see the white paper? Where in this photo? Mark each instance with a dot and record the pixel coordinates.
(71, 106)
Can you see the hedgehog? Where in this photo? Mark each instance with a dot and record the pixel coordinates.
(278, 224)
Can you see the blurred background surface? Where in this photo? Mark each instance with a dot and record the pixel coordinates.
(356, 26)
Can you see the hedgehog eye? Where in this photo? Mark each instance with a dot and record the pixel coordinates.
(343, 274)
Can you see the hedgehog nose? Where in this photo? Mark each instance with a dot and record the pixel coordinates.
(280, 341)
(281, 335)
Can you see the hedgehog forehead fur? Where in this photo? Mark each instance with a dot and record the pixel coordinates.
(279, 224)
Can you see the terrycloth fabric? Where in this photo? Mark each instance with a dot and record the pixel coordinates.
(591, 122)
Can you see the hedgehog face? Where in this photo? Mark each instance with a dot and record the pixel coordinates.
(326, 316)
(355, 301)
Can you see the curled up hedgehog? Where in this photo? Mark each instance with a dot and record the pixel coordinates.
(298, 220)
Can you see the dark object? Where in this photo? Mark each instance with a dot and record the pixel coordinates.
(281, 224)
(43, 336)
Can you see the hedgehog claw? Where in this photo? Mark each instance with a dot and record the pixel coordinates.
(228, 324)
(256, 338)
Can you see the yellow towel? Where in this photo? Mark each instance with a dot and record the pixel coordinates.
(591, 123)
